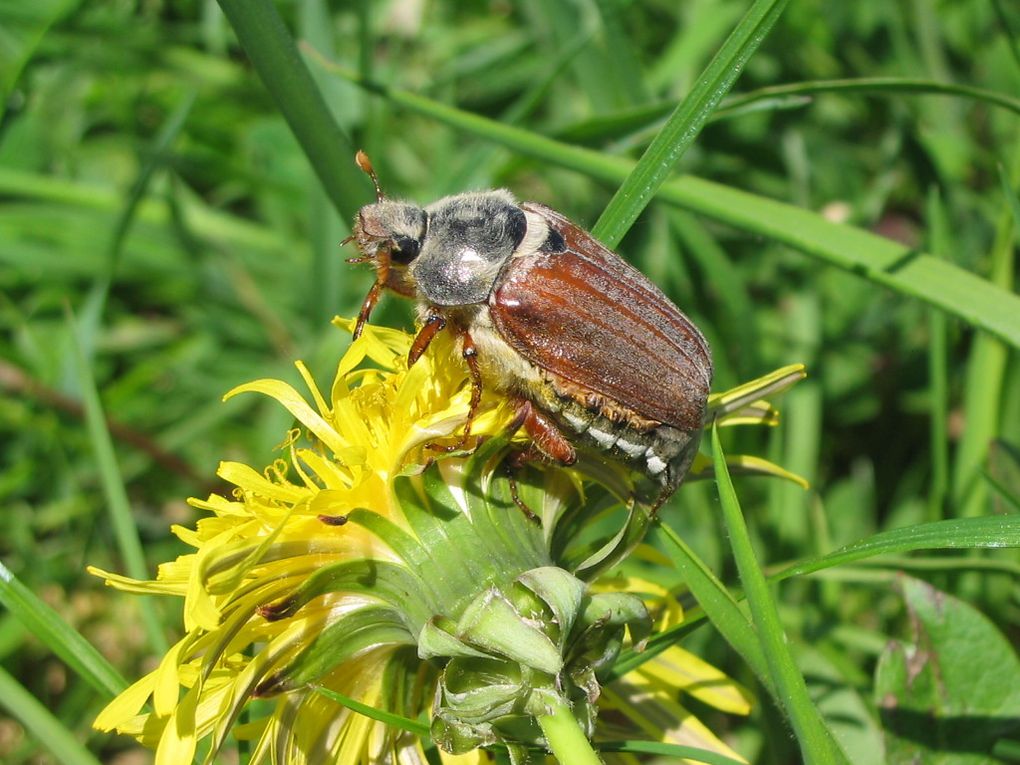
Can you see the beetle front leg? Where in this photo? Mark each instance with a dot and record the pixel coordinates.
(548, 444)
(366, 308)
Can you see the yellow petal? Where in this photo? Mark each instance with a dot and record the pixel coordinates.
(474, 757)
(320, 403)
(139, 586)
(744, 464)
(661, 718)
(737, 398)
(297, 406)
(248, 479)
(681, 670)
(126, 704)
(179, 739)
(167, 687)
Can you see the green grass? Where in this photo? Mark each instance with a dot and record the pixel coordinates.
(820, 183)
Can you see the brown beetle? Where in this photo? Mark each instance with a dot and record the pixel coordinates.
(593, 352)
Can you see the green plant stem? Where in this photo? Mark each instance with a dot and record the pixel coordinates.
(47, 626)
(40, 721)
(686, 122)
(816, 742)
(271, 50)
(938, 372)
(118, 506)
(871, 86)
(566, 740)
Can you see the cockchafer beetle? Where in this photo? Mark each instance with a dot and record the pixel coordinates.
(594, 354)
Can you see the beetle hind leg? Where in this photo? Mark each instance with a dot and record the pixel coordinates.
(511, 468)
(548, 445)
(547, 440)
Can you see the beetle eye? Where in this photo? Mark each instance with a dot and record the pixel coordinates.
(405, 249)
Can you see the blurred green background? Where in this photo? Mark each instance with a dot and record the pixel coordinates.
(163, 233)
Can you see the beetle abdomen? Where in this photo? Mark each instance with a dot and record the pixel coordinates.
(660, 451)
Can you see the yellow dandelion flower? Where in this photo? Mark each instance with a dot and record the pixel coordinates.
(364, 566)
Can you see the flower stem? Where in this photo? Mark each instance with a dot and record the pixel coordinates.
(566, 739)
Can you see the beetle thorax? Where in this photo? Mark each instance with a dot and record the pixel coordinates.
(469, 239)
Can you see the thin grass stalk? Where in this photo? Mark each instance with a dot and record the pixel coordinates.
(47, 626)
(816, 742)
(41, 723)
(938, 375)
(271, 49)
(686, 122)
(118, 506)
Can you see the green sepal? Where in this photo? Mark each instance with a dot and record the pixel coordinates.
(561, 592)
(618, 609)
(547, 638)
(387, 581)
(492, 624)
(437, 642)
(456, 737)
(341, 640)
(482, 690)
(619, 545)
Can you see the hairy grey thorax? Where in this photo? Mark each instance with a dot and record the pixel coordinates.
(470, 238)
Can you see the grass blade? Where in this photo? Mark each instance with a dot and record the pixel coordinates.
(156, 156)
(816, 743)
(958, 534)
(46, 728)
(684, 125)
(938, 372)
(24, 25)
(45, 624)
(396, 721)
(124, 528)
(605, 127)
(718, 604)
(986, 373)
(873, 257)
(271, 49)
(868, 86)
(991, 532)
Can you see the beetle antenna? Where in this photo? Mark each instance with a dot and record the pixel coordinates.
(362, 160)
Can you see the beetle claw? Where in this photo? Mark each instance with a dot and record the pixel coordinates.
(510, 468)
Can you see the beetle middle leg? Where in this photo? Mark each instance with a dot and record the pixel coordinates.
(434, 324)
(470, 355)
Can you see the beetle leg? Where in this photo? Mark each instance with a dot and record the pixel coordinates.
(434, 324)
(366, 308)
(548, 444)
(669, 486)
(512, 478)
(470, 355)
(546, 437)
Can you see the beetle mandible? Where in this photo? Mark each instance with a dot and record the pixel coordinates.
(591, 351)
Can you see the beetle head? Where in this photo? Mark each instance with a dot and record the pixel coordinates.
(389, 235)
